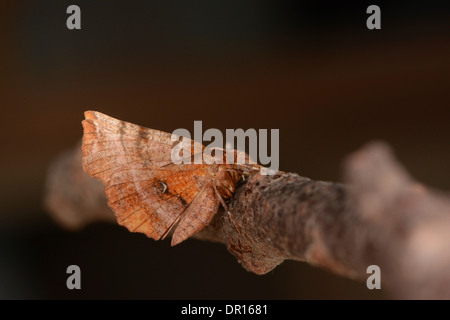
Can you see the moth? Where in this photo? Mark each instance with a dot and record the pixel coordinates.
(147, 191)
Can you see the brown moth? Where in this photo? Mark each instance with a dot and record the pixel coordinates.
(146, 190)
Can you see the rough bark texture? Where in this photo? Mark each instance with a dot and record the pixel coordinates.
(379, 217)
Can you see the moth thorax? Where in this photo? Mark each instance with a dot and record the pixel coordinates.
(225, 183)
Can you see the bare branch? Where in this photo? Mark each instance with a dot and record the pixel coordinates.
(380, 217)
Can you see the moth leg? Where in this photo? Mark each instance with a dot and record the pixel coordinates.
(172, 226)
(234, 222)
(224, 205)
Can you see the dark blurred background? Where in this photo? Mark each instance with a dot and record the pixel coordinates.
(309, 68)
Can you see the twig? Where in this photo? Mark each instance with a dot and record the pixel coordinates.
(380, 217)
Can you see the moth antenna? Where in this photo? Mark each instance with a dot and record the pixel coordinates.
(245, 168)
(182, 160)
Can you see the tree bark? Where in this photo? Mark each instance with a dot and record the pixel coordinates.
(380, 216)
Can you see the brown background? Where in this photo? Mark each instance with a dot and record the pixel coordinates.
(308, 68)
